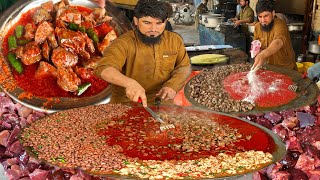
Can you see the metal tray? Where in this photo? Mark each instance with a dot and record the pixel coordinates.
(310, 97)
(120, 24)
(278, 152)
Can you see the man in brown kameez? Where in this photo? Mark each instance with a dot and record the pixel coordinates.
(245, 16)
(148, 61)
(274, 36)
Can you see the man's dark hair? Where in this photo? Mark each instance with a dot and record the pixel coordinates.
(152, 8)
(248, 2)
(265, 5)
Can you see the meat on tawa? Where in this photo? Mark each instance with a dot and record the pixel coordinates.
(53, 41)
(63, 58)
(70, 39)
(107, 41)
(29, 54)
(84, 73)
(45, 69)
(70, 15)
(41, 15)
(46, 49)
(44, 30)
(67, 79)
(30, 30)
(48, 6)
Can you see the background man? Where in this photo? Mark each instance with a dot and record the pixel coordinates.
(148, 61)
(246, 14)
(202, 7)
(274, 36)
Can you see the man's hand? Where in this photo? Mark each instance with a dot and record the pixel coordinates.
(233, 19)
(166, 93)
(237, 23)
(134, 91)
(258, 62)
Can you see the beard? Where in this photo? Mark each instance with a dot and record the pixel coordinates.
(149, 40)
(242, 7)
(267, 28)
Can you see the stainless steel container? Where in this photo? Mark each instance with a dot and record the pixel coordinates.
(210, 19)
(295, 26)
(314, 47)
(251, 28)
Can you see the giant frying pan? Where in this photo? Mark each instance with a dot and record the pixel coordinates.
(302, 99)
(273, 144)
(11, 16)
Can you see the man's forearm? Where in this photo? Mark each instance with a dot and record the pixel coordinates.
(245, 20)
(113, 76)
(273, 48)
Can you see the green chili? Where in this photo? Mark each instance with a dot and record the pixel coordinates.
(93, 35)
(12, 41)
(82, 29)
(73, 26)
(82, 88)
(19, 31)
(15, 63)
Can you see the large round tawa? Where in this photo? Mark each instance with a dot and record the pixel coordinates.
(304, 96)
(119, 23)
(105, 115)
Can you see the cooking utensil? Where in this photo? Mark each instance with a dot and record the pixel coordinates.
(211, 20)
(157, 102)
(251, 28)
(294, 87)
(163, 125)
(314, 80)
(300, 101)
(314, 47)
(295, 26)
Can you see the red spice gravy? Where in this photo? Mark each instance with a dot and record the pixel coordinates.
(118, 135)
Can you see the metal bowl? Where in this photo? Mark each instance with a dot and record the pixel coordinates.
(295, 26)
(120, 24)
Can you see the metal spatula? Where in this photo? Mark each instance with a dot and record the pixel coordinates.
(163, 125)
(294, 87)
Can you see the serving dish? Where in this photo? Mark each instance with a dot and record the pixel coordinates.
(134, 118)
(119, 23)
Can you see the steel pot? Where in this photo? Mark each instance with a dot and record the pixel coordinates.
(212, 21)
(251, 28)
(314, 47)
(205, 16)
(295, 26)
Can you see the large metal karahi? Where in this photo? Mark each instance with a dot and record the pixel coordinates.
(303, 99)
(119, 23)
(278, 152)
